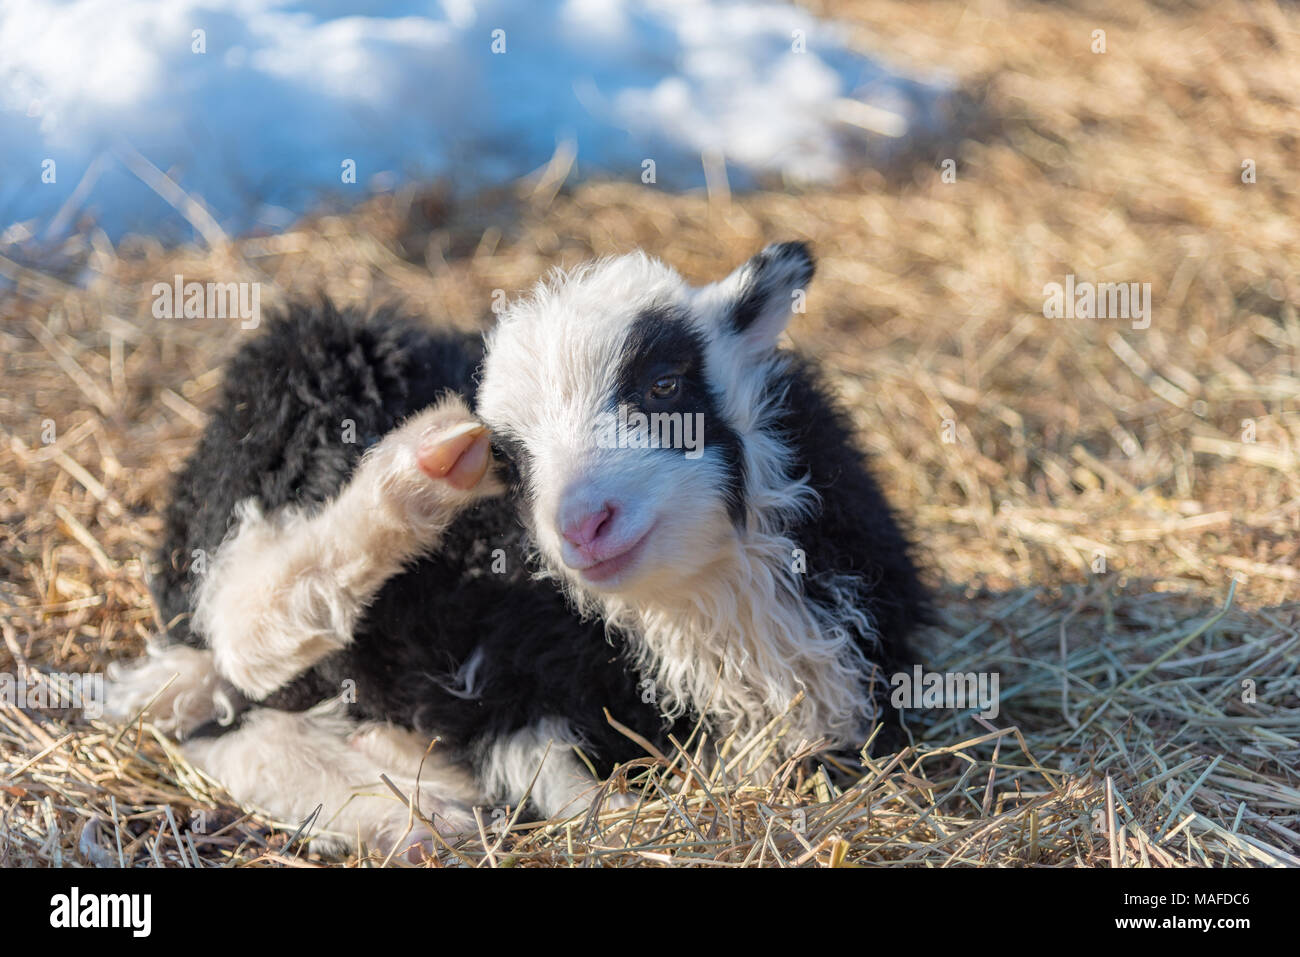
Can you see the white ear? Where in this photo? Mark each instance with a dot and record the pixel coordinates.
(755, 302)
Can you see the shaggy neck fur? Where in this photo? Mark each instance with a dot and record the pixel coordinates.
(745, 643)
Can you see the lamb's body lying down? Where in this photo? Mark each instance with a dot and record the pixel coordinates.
(344, 609)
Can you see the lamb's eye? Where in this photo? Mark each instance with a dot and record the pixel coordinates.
(665, 387)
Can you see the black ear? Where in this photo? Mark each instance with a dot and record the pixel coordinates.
(765, 289)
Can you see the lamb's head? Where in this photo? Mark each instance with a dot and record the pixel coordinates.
(629, 400)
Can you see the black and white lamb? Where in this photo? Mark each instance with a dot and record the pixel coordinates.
(652, 510)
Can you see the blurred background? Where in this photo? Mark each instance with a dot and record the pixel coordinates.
(1084, 491)
(262, 109)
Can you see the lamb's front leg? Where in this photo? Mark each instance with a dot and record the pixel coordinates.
(287, 589)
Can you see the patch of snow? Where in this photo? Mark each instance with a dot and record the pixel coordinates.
(259, 125)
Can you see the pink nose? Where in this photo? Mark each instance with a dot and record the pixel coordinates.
(585, 530)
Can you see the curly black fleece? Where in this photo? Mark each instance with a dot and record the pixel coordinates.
(276, 435)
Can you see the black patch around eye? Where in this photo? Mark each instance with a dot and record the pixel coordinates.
(662, 342)
(512, 458)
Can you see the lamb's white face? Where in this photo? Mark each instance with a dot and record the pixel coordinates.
(624, 395)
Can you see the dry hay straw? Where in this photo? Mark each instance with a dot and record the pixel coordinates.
(1100, 530)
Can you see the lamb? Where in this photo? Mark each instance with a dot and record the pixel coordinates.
(653, 513)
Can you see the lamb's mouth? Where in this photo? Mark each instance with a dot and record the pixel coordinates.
(609, 569)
